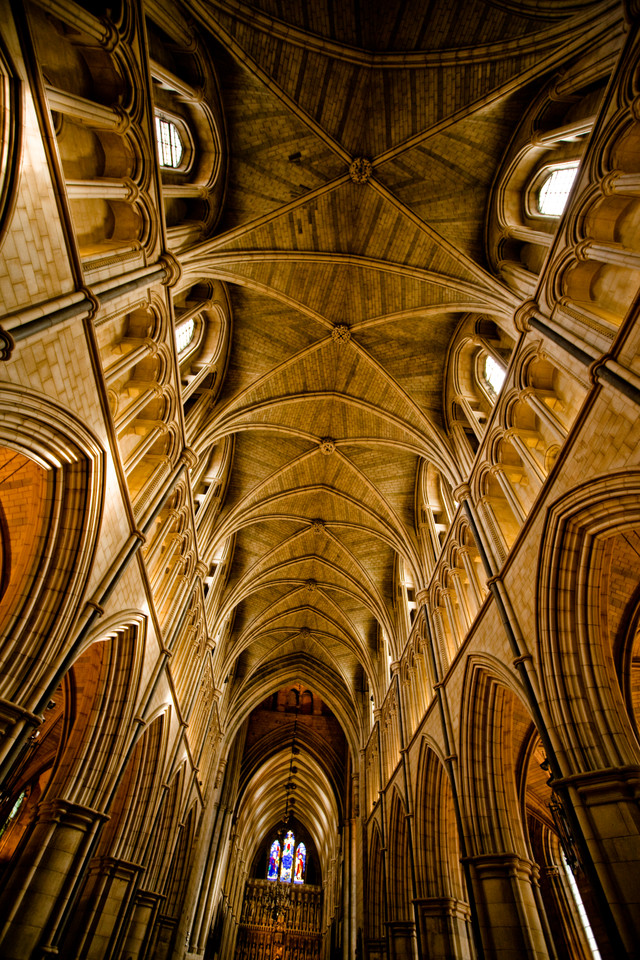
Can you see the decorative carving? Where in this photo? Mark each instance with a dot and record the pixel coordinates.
(311, 585)
(172, 267)
(7, 343)
(327, 446)
(341, 333)
(360, 170)
(305, 632)
(318, 526)
(523, 314)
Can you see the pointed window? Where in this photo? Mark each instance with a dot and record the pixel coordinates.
(274, 861)
(184, 335)
(300, 863)
(286, 870)
(493, 375)
(170, 143)
(13, 813)
(555, 189)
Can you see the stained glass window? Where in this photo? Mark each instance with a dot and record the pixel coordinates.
(170, 146)
(301, 859)
(184, 334)
(13, 813)
(287, 858)
(554, 192)
(274, 861)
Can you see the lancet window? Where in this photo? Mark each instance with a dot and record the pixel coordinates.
(185, 334)
(555, 189)
(493, 375)
(170, 143)
(274, 861)
(283, 864)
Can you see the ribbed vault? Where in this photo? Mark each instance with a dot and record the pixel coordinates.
(347, 282)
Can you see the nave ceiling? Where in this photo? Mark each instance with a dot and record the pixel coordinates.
(345, 297)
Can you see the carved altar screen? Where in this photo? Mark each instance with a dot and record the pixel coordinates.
(288, 930)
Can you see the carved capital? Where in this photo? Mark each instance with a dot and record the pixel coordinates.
(462, 492)
(523, 314)
(189, 457)
(7, 343)
(173, 268)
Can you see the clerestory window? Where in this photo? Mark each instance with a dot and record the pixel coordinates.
(554, 191)
(171, 146)
(185, 334)
(493, 375)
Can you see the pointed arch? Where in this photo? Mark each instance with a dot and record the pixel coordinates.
(576, 626)
(41, 599)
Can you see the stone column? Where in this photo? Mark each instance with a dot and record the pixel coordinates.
(99, 915)
(445, 926)
(510, 924)
(402, 940)
(34, 899)
(517, 275)
(519, 512)
(377, 949)
(102, 188)
(607, 804)
(527, 235)
(142, 920)
(87, 112)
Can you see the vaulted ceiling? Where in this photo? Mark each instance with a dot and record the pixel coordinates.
(346, 286)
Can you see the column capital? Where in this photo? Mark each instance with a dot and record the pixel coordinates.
(523, 314)
(462, 492)
(69, 814)
(172, 267)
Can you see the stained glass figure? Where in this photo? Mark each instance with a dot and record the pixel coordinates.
(287, 858)
(301, 859)
(274, 861)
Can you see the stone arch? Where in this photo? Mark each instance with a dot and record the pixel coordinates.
(375, 897)
(442, 897)
(437, 843)
(399, 853)
(42, 593)
(117, 870)
(502, 871)
(99, 694)
(129, 830)
(578, 629)
(491, 702)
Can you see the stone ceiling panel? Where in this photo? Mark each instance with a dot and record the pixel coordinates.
(446, 178)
